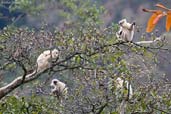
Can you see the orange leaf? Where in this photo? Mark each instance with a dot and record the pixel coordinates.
(153, 20)
(168, 21)
(156, 20)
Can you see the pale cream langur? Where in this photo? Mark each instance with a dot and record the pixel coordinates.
(59, 89)
(121, 84)
(126, 32)
(44, 59)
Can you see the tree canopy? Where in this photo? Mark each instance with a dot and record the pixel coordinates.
(91, 59)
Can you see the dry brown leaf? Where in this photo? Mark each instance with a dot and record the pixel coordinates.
(168, 21)
(153, 20)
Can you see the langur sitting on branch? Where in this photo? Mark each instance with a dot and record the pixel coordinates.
(126, 30)
(45, 58)
(126, 33)
(59, 89)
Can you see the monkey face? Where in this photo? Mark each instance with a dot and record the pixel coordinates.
(54, 82)
(55, 53)
(121, 22)
(119, 82)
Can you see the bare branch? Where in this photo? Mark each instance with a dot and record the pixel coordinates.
(23, 68)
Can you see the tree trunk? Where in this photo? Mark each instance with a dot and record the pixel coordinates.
(123, 107)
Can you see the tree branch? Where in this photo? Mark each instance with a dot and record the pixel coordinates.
(123, 106)
(23, 68)
(16, 83)
(160, 110)
(102, 108)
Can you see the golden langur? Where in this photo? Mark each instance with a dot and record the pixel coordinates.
(44, 59)
(121, 84)
(126, 30)
(59, 89)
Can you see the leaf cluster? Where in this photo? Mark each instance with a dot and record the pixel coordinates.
(157, 15)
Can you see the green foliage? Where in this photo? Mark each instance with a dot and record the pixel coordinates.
(14, 105)
(80, 10)
(27, 6)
